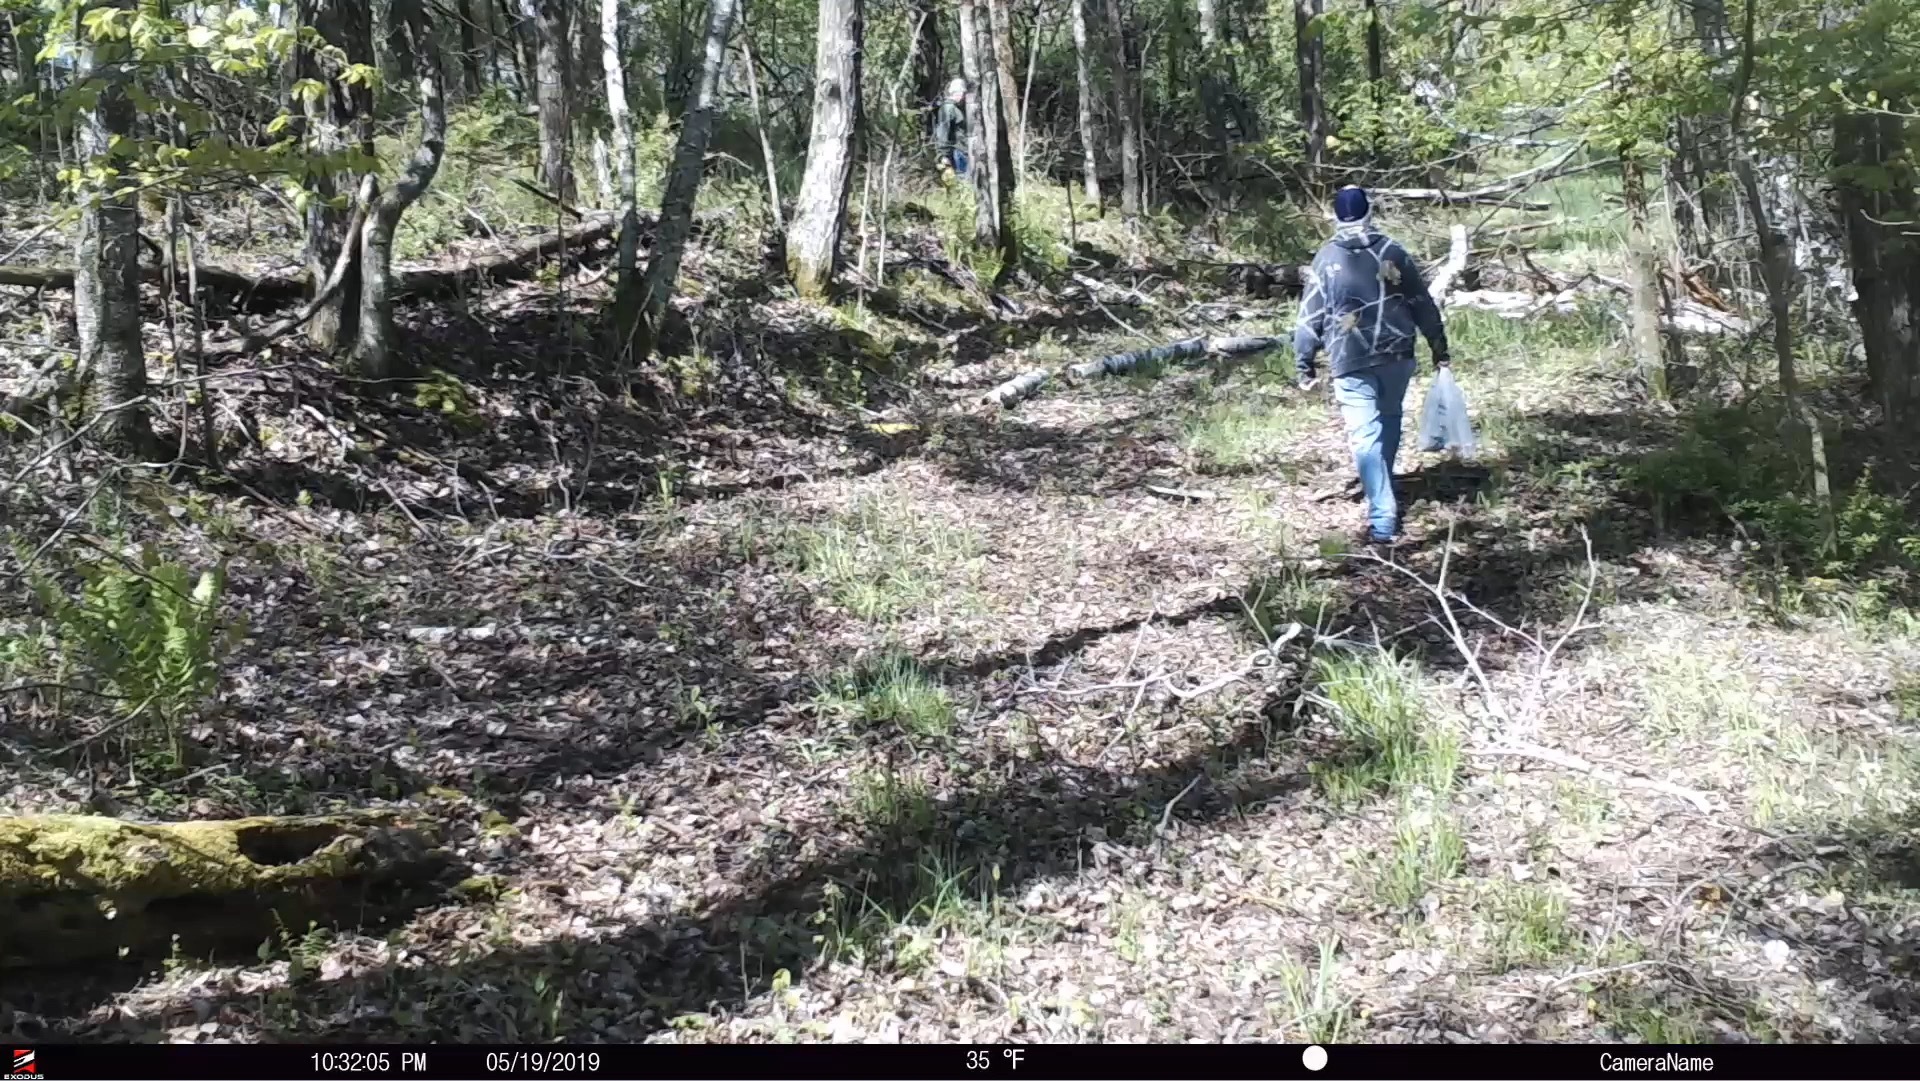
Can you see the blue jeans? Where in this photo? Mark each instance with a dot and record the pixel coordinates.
(1371, 402)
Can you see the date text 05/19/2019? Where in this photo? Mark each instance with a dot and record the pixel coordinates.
(538, 1062)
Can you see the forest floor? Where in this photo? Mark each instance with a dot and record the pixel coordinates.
(908, 721)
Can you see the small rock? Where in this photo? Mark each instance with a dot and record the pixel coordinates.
(1777, 953)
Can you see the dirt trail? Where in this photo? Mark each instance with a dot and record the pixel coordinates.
(831, 759)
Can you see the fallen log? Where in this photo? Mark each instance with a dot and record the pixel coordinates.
(81, 888)
(1121, 363)
(263, 291)
(515, 261)
(1018, 389)
(1446, 197)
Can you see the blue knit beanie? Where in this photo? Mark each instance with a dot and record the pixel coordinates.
(1350, 204)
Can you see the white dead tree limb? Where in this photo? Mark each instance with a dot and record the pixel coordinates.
(1500, 193)
(1440, 284)
(1515, 723)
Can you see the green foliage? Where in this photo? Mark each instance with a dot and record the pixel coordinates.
(150, 634)
(1373, 701)
(1244, 431)
(1529, 925)
(892, 689)
(444, 393)
(1317, 1008)
(882, 559)
(1427, 850)
(1735, 463)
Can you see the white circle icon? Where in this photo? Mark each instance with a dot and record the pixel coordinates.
(1314, 1058)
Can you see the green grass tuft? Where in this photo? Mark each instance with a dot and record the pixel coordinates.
(892, 689)
(1373, 702)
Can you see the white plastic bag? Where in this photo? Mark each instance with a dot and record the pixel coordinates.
(1443, 420)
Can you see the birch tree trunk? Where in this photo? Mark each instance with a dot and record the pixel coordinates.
(1083, 77)
(112, 366)
(626, 288)
(1008, 82)
(375, 348)
(1309, 58)
(1124, 111)
(549, 21)
(342, 120)
(684, 174)
(820, 207)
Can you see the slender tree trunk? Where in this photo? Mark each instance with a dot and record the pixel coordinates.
(469, 50)
(1776, 265)
(998, 112)
(1879, 219)
(112, 366)
(820, 208)
(1124, 110)
(929, 61)
(1376, 49)
(1213, 93)
(626, 290)
(549, 21)
(376, 350)
(342, 120)
(1309, 59)
(1009, 81)
(1642, 276)
(986, 228)
(766, 141)
(1083, 78)
(684, 174)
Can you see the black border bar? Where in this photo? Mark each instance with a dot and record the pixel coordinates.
(776, 1062)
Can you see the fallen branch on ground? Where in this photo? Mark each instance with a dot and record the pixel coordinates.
(1183, 493)
(1258, 659)
(1510, 740)
(1499, 194)
(1694, 797)
(1028, 383)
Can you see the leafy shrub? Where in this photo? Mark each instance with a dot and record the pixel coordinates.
(151, 635)
(1736, 463)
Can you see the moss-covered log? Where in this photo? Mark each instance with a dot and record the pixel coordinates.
(77, 888)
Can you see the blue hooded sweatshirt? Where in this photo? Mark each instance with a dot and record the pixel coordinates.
(1364, 302)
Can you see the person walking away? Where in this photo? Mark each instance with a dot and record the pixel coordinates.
(1365, 298)
(950, 130)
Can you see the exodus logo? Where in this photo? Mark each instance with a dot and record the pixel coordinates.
(25, 1067)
